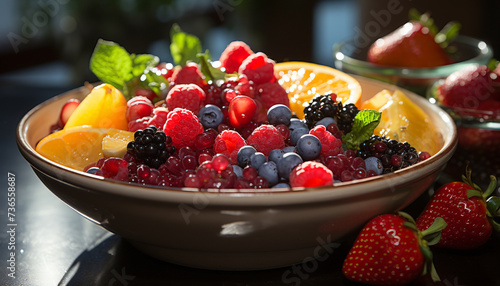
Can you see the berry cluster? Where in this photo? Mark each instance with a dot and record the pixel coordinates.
(239, 132)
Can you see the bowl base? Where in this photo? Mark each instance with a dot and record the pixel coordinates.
(234, 261)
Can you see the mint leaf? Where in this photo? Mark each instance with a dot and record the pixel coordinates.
(208, 69)
(111, 64)
(364, 124)
(184, 47)
(152, 79)
(143, 62)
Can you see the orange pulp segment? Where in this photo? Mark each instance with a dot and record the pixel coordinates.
(104, 107)
(77, 147)
(302, 81)
(404, 121)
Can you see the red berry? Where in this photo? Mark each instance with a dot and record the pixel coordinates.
(272, 93)
(139, 124)
(228, 143)
(115, 168)
(188, 96)
(266, 138)
(159, 117)
(330, 145)
(311, 174)
(258, 68)
(241, 111)
(234, 54)
(183, 127)
(67, 110)
(138, 107)
(190, 73)
(166, 70)
(148, 93)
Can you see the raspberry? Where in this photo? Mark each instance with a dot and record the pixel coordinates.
(182, 126)
(166, 70)
(330, 145)
(228, 143)
(258, 68)
(139, 124)
(266, 138)
(271, 94)
(159, 117)
(188, 96)
(234, 54)
(311, 174)
(190, 73)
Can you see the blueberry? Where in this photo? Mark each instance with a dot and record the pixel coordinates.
(374, 163)
(279, 114)
(257, 159)
(269, 171)
(289, 161)
(238, 171)
(92, 170)
(297, 133)
(308, 147)
(243, 157)
(281, 185)
(296, 123)
(289, 149)
(210, 116)
(276, 155)
(326, 121)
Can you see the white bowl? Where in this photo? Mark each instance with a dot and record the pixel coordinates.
(228, 229)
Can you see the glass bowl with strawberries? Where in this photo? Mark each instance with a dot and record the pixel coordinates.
(413, 56)
(472, 97)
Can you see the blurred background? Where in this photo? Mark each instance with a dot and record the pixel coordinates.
(48, 43)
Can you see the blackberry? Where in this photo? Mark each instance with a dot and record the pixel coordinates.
(319, 107)
(345, 116)
(394, 155)
(151, 147)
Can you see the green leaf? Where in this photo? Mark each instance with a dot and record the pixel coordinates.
(112, 64)
(364, 124)
(184, 47)
(143, 62)
(153, 80)
(207, 68)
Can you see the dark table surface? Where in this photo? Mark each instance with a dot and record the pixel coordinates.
(56, 246)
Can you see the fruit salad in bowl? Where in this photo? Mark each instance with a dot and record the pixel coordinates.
(413, 56)
(238, 164)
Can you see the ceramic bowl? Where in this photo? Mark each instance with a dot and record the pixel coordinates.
(351, 58)
(230, 229)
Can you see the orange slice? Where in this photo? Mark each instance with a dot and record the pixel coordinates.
(77, 147)
(404, 121)
(302, 81)
(104, 107)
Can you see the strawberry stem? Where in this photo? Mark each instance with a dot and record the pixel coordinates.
(493, 205)
(491, 187)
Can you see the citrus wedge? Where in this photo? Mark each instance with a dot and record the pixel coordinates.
(77, 147)
(114, 144)
(302, 81)
(404, 121)
(104, 107)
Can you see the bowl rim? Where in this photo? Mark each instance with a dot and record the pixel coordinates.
(232, 197)
(353, 64)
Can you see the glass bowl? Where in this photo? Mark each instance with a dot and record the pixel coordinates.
(478, 140)
(351, 58)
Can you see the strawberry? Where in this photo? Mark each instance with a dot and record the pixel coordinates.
(467, 88)
(462, 205)
(390, 250)
(411, 45)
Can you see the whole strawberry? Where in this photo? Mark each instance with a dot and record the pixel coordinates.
(462, 205)
(468, 87)
(414, 45)
(391, 251)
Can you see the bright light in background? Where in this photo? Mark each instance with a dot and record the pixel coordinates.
(333, 22)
